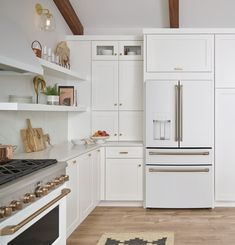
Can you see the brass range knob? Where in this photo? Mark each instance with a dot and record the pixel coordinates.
(16, 205)
(29, 197)
(5, 211)
(64, 177)
(50, 186)
(41, 191)
(57, 181)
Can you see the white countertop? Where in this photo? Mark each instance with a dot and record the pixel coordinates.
(66, 151)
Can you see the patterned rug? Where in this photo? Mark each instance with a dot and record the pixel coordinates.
(143, 238)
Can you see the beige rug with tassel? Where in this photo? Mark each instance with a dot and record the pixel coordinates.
(142, 238)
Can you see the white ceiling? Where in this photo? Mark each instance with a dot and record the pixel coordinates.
(122, 13)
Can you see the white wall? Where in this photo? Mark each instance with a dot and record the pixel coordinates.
(23, 13)
(207, 13)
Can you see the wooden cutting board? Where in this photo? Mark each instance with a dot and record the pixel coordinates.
(33, 138)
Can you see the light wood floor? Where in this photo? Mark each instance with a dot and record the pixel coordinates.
(191, 227)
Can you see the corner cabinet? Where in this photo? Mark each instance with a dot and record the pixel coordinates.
(179, 53)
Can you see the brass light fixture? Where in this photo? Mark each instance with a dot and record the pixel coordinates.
(47, 21)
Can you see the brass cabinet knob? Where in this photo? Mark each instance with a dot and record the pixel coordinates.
(120, 134)
(139, 165)
(120, 54)
(120, 104)
(29, 197)
(89, 155)
(16, 205)
(115, 134)
(74, 161)
(115, 54)
(115, 104)
(5, 211)
(98, 150)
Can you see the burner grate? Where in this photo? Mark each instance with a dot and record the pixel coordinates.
(17, 168)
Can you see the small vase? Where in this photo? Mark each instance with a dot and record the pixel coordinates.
(52, 99)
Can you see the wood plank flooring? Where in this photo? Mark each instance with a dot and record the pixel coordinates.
(191, 227)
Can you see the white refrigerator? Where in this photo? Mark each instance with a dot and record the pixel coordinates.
(179, 129)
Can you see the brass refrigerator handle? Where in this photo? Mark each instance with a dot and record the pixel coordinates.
(201, 170)
(181, 112)
(172, 153)
(9, 230)
(176, 113)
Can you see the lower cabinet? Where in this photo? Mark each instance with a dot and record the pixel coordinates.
(84, 182)
(224, 145)
(124, 174)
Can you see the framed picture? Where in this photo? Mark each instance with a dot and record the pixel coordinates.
(66, 95)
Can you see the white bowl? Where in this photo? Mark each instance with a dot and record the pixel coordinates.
(100, 139)
(107, 52)
(131, 53)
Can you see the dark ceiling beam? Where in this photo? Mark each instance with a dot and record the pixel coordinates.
(174, 13)
(70, 16)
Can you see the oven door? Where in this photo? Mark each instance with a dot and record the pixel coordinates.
(41, 223)
(172, 186)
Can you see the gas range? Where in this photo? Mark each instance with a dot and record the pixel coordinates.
(24, 181)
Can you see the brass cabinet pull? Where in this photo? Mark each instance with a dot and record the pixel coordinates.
(9, 230)
(203, 153)
(123, 152)
(202, 170)
(178, 68)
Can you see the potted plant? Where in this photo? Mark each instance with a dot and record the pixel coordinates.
(52, 94)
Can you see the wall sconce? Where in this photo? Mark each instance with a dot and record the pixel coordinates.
(47, 21)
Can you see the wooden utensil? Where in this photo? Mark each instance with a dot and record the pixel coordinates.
(33, 138)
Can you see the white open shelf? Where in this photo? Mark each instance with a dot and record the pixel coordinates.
(11, 106)
(59, 71)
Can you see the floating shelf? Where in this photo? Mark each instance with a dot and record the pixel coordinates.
(59, 71)
(40, 107)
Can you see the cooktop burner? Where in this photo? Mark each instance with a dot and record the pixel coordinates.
(17, 168)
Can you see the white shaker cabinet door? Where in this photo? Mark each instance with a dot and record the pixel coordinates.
(197, 117)
(85, 169)
(130, 85)
(179, 53)
(131, 125)
(224, 145)
(106, 120)
(225, 61)
(124, 179)
(96, 158)
(105, 85)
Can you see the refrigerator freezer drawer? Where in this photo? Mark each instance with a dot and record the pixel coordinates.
(179, 156)
(179, 187)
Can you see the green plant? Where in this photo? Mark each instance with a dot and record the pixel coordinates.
(51, 90)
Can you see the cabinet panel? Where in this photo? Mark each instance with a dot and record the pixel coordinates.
(197, 118)
(104, 50)
(104, 85)
(131, 50)
(124, 152)
(85, 186)
(224, 145)
(106, 120)
(179, 53)
(130, 85)
(124, 179)
(225, 60)
(130, 125)
(72, 200)
(96, 158)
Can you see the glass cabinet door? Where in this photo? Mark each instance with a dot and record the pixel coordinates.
(104, 50)
(131, 50)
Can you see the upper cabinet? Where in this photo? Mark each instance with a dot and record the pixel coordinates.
(225, 61)
(179, 53)
(117, 50)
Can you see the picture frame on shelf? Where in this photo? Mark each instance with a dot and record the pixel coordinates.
(66, 95)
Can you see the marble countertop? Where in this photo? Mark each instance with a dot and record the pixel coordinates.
(66, 151)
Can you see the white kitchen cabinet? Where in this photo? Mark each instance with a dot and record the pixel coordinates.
(104, 85)
(106, 120)
(131, 50)
(131, 125)
(179, 53)
(104, 50)
(72, 200)
(224, 145)
(96, 161)
(130, 85)
(197, 102)
(225, 61)
(124, 179)
(86, 201)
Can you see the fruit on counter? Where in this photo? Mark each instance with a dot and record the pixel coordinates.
(100, 133)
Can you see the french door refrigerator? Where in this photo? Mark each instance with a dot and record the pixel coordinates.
(179, 129)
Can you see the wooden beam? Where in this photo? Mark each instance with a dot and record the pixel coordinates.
(70, 16)
(174, 13)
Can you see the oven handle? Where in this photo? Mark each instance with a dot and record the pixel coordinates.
(201, 170)
(203, 153)
(9, 230)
